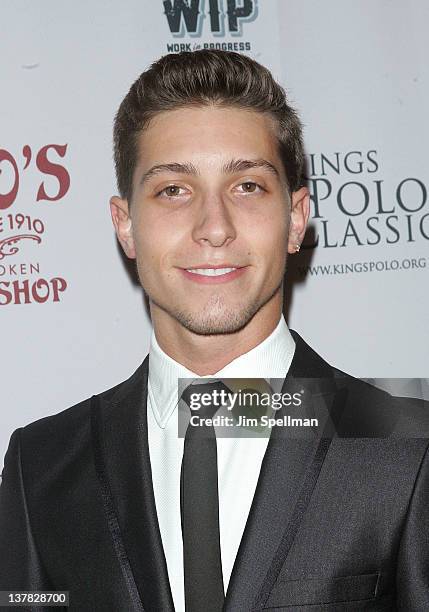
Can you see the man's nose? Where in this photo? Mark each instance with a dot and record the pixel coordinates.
(213, 222)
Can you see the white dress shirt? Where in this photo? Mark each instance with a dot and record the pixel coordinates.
(239, 458)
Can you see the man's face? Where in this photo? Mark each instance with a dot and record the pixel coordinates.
(207, 207)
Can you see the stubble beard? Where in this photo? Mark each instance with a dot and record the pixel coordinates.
(216, 317)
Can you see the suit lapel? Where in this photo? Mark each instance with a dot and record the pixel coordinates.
(121, 451)
(288, 475)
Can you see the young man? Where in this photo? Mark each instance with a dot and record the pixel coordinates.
(106, 501)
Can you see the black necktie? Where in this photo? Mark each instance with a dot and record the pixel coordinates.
(199, 506)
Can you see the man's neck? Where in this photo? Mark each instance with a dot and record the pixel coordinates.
(207, 354)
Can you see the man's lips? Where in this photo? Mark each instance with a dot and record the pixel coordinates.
(202, 274)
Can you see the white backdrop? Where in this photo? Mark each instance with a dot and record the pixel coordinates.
(72, 323)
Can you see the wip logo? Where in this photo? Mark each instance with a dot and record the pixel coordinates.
(187, 17)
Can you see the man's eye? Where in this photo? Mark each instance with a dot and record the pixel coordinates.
(251, 187)
(170, 190)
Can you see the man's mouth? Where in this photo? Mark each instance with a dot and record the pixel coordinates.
(211, 271)
(213, 274)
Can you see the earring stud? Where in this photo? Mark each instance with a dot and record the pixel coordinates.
(297, 247)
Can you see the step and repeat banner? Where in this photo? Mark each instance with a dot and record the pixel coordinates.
(72, 320)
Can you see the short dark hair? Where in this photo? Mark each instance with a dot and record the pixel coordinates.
(200, 78)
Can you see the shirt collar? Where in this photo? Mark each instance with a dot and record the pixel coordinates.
(271, 358)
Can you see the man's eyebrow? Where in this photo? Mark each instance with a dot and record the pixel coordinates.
(239, 165)
(181, 168)
(234, 165)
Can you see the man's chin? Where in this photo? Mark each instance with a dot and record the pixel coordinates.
(223, 323)
(215, 317)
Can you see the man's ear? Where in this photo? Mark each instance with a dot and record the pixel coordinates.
(300, 211)
(123, 225)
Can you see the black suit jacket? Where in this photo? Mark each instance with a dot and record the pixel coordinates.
(336, 524)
